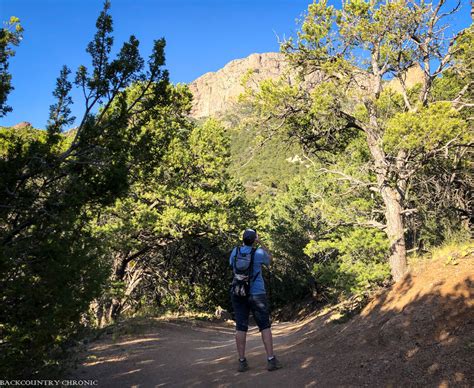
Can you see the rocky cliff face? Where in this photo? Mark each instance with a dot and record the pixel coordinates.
(413, 76)
(216, 92)
(23, 124)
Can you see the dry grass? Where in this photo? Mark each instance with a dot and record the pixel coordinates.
(449, 254)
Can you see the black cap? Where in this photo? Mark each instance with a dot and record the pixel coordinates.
(249, 236)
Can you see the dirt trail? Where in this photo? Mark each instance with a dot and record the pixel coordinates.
(188, 354)
(417, 334)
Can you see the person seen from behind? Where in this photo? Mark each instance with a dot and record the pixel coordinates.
(248, 294)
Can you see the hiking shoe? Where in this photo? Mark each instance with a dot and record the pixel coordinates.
(243, 365)
(273, 364)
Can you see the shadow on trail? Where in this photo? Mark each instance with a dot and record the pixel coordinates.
(408, 335)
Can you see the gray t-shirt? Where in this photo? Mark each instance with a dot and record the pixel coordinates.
(260, 258)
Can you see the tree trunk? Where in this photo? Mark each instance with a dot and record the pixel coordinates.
(102, 313)
(393, 207)
(118, 275)
(395, 232)
(115, 309)
(116, 304)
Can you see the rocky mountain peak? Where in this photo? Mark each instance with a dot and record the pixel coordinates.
(23, 124)
(215, 92)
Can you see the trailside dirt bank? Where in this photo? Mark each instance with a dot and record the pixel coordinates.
(419, 333)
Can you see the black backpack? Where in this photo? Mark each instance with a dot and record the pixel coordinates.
(242, 267)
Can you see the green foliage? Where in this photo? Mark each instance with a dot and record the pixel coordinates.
(443, 203)
(295, 111)
(10, 35)
(287, 222)
(60, 112)
(426, 130)
(351, 261)
(137, 208)
(264, 168)
(343, 60)
(52, 265)
(180, 218)
(318, 232)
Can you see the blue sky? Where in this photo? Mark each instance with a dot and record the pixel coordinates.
(201, 35)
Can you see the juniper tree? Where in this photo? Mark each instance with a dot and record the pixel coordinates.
(167, 238)
(344, 58)
(53, 183)
(10, 35)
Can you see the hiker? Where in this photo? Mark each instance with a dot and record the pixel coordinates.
(248, 294)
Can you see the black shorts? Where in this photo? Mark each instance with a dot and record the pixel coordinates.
(257, 304)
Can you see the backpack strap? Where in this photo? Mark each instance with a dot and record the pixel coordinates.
(252, 254)
(237, 251)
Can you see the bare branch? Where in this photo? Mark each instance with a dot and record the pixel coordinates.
(351, 179)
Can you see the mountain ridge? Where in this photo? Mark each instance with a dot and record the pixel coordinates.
(216, 92)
